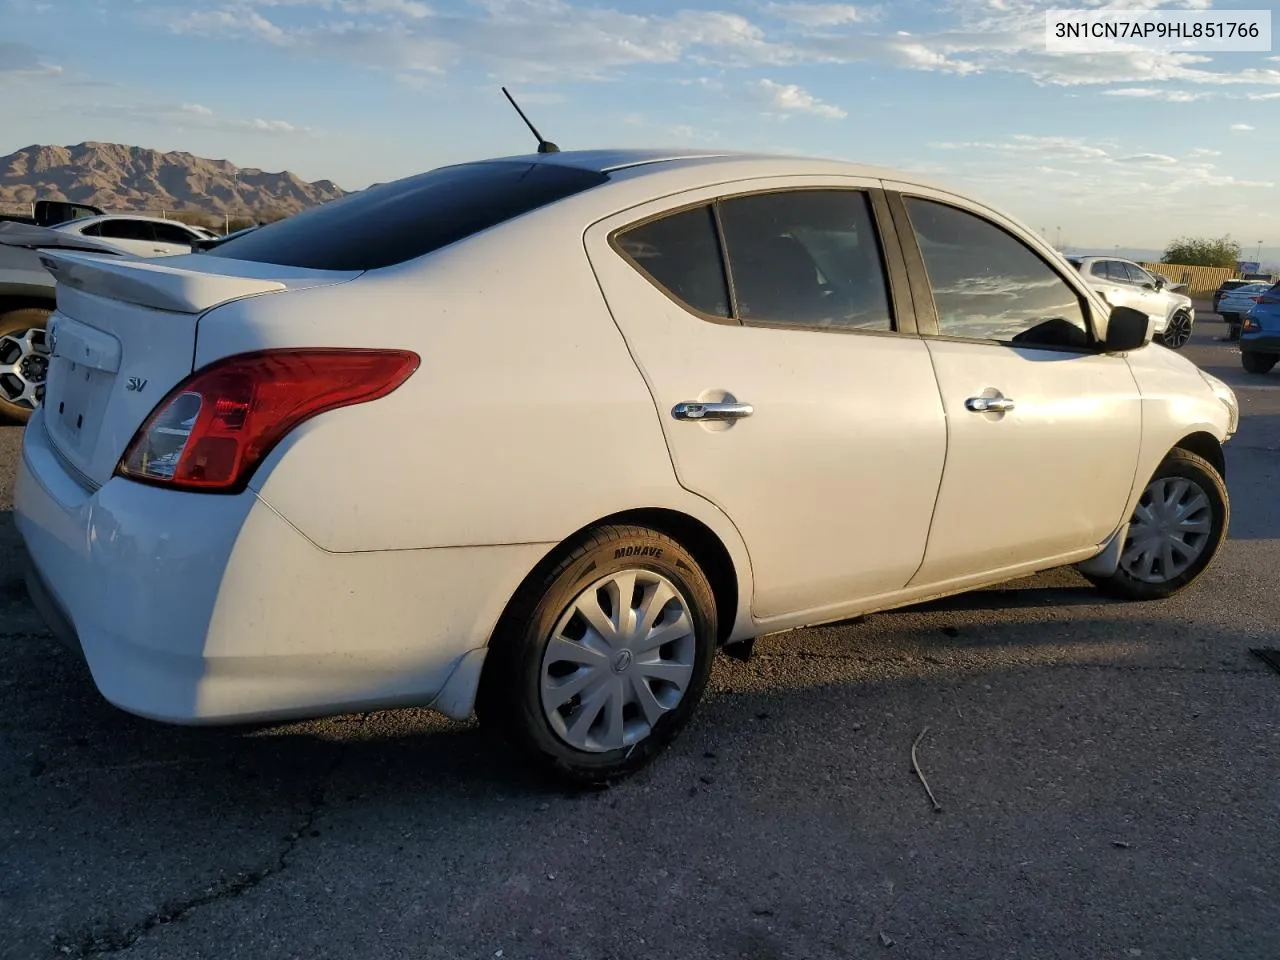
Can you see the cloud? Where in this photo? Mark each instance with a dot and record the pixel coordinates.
(1264, 96)
(189, 116)
(1242, 127)
(1099, 178)
(1155, 93)
(821, 14)
(560, 39)
(1061, 148)
(790, 98)
(229, 23)
(17, 60)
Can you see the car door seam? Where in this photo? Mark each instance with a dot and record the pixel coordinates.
(657, 411)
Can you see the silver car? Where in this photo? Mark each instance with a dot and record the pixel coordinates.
(1124, 283)
(1237, 302)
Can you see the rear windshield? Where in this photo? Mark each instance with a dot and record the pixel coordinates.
(395, 222)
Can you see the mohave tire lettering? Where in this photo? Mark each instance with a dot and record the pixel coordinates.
(621, 552)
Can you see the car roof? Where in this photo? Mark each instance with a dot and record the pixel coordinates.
(85, 221)
(640, 162)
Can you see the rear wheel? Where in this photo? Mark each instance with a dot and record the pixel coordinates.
(1178, 332)
(599, 663)
(1175, 532)
(24, 362)
(1257, 362)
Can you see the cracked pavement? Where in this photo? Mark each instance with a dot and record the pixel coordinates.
(1109, 777)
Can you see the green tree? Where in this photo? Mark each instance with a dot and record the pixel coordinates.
(1203, 252)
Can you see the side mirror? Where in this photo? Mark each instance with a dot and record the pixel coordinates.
(1127, 329)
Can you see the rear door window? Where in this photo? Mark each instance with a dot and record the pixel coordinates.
(400, 221)
(125, 229)
(169, 233)
(680, 254)
(806, 257)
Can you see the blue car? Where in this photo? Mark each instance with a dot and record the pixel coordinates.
(1260, 334)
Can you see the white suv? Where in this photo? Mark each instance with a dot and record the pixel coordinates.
(1124, 283)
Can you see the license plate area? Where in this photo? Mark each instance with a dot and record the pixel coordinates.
(78, 401)
(81, 374)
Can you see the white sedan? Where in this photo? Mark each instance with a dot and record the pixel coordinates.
(534, 437)
(138, 235)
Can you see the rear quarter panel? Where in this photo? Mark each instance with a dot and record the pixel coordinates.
(526, 421)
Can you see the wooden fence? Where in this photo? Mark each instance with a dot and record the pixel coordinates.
(1200, 281)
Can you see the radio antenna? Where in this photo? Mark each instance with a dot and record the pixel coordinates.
(544, 146)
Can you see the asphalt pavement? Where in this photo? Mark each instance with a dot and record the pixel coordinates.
(1108, 777)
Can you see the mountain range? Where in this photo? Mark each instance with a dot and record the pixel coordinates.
(118, 177)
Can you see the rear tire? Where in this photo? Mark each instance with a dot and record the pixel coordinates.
(1177, 529)
(1257, 362)
(24, 361)
(602, 701)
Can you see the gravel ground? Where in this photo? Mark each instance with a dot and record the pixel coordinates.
(1109, 778)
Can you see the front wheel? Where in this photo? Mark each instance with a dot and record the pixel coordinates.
(1257, 362)
(1175, 532)
(24, 361)
(598, 664)
(1178, 332)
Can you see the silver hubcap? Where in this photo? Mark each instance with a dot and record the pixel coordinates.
(1179, 331)
(1169, 530)
(621, 656)
(24, 363)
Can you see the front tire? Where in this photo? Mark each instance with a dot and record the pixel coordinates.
(1257, 362)
(1176, 530)
(1178, 332)
(24, 362)
(599, 663)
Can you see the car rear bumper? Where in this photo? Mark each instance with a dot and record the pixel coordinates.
(200, 609)
(1261, 342)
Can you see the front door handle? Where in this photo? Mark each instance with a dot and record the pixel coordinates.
(712, 411)
(996, 404)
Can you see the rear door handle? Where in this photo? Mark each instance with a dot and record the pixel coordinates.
(712, 411)
(995, 404)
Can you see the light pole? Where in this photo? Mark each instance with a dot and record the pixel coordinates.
(1058, 244)
(1258, 256)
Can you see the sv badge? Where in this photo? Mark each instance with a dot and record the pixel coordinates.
(136, 384)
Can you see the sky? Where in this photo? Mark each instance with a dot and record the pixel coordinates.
(1130, 148)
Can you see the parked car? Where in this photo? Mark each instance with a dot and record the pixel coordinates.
(140, 236)
(48, 213)
(1123, 283)
(1260, 333)
(1237, 302)
(536, 436)
(26, 301)
(1226, 287)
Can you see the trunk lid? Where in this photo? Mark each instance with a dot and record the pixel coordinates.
(124, 334)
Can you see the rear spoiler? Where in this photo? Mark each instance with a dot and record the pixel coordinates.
(151, 282)
(32, 237)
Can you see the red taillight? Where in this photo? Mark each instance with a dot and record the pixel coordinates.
(216, 426)
(1255, 299)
